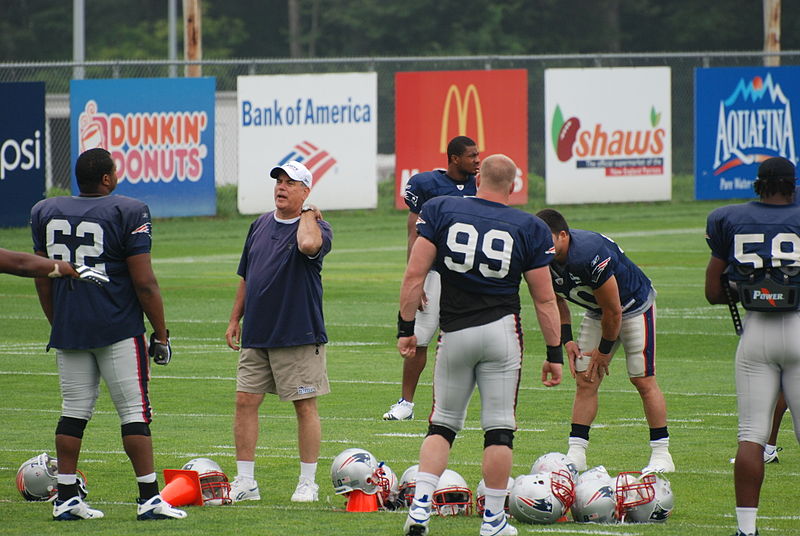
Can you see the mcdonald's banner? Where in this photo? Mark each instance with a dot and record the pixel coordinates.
(432, 107)
(608, 135)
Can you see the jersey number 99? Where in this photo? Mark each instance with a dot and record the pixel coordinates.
(495, 245)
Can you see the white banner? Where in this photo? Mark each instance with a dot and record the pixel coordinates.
(327, 121)
(608, 134)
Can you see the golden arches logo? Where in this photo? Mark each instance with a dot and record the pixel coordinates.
(462, 114)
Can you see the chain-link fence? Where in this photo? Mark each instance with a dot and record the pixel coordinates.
(57, 75)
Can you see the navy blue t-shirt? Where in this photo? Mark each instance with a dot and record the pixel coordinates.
(283, 287)
(483, 249)
(100, 232)
(592, 260)
(423, 187)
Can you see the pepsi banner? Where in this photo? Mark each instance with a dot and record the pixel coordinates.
(433, 107)
(743, 116)
(160, 133)
(22, 163)
(326, 121)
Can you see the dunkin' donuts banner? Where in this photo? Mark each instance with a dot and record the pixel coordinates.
(608, 135)
(160, 133)
(431, 108)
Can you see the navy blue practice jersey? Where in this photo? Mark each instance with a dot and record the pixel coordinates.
(592, 260)
(423, 187)
(482, 250)
(755, 235)
(100, 232)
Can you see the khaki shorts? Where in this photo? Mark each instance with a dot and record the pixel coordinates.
(292, 373)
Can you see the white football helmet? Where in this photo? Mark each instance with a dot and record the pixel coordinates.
(389, 490)
(644, 498)
(408, 485)
(480, 496)
(452, 496)
(595, 497)
(37, 479)
(553, 462)
(213, 482)
(542, 498)
(355, 469)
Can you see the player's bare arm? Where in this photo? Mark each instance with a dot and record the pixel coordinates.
(233, 335)
(607, 296)
(149, 295)
(715, 294)
(28, 265)
(571, 346)
(309, 234)
(540, 287)
(422, 256)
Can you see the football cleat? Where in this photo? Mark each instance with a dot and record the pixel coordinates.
(419, 516)
(402, 411)
(740, 533)
(244, 489)
(74, 509)
(157, 508)
(576, 455)
(497, 526)
(306, 491)
(660, 463)
(772, 457)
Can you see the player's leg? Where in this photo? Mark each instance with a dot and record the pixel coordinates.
(253, 380)
(771, 449)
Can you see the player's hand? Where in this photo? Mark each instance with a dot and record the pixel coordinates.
(160, 351)
(233, 335)
(90, 275)
(598, 366)
(551, 373)
(407, 346)
(573, 353)
(423, 301)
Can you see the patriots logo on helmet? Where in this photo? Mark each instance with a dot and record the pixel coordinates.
(660, 514)
(604, 492)
(362, 457)
(543, 505)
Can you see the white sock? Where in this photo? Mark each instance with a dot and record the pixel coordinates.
(578, 442)
(246, 469)
(769, 450)
(426, 485)
(746, 518)
(146, 479)
(495, 501)
(308, 471)
(660, 446)
(66, 480)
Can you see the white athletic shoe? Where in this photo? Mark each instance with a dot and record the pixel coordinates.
(772, 457)
(419, 516)
(576, 455)
(157, 508)
(244, 489)
(497, 526)
(306, 491)
(660, 463)
(74, 509)
(402, 411)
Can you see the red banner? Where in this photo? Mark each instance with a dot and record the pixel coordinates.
(431, 108)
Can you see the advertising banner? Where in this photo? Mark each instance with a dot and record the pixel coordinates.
(608, 134)
(433, 107)
(326, 121)
(743, 115)
(22, 153)
(160, 132)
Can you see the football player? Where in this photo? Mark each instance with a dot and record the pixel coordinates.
(756, 246)
(483, 249)
(27, 265)
(459, 181)
(99, 332)
(592, 271)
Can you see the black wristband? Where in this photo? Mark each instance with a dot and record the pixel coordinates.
(555, 355)
(605, 346)
(405, 328)
(566, 333)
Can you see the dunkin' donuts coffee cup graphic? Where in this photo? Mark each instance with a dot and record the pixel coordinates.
(92, 128)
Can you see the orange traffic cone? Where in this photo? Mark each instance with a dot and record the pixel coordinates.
(563, 519)
(358, 501)
(182, 488)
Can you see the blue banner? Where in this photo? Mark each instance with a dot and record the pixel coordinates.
(743, 116)
(160, 132)
(22, 163)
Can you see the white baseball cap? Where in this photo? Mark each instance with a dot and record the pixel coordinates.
(296, 171)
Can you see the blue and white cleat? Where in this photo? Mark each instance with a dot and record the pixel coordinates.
(419, 515)
(74, 509)
(497, 525)
(157, 508)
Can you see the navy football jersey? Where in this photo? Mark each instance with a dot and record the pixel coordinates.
(423, 187)
(755, 235)
(591, 261)
(483, 249)
(100, 232)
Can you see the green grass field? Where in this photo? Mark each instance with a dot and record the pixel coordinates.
(195, 261)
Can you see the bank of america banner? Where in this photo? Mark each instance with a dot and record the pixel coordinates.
(743, 116)
(22, 155)
(432, 107)
(160, 132)
(608, 135)
(326, 121)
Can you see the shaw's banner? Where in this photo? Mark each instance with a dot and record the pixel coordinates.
(608, 135)
(22, 154)
(433, 107)
(743, 115)
(160, 132)
(326, 121)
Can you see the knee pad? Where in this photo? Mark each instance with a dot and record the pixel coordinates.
(136, 428)
(444, 431)
(498, 436)
(70, 426)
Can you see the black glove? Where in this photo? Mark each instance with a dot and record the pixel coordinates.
(160, 352)
(88, 274)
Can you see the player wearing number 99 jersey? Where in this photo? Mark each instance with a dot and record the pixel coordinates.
(99, 332)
